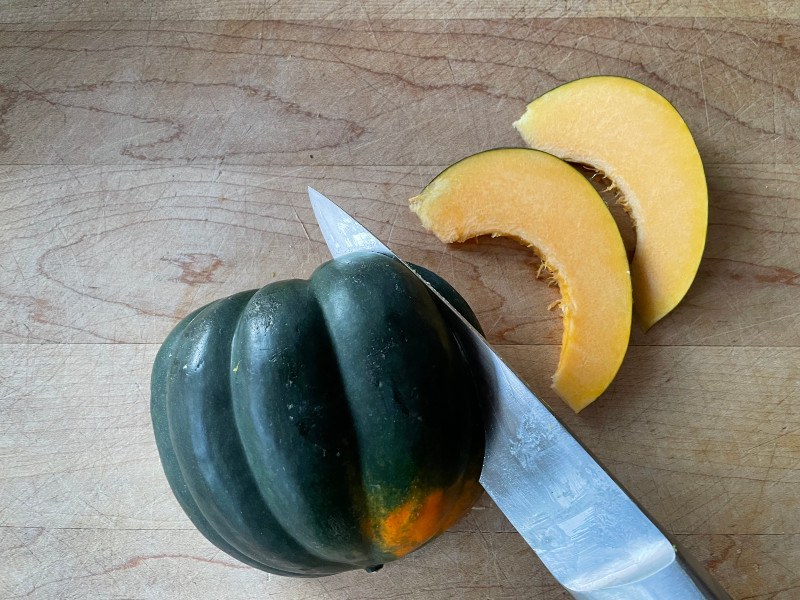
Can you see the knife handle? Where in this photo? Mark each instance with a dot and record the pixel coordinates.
(682, 579)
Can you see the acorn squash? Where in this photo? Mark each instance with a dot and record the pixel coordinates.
(322, 425)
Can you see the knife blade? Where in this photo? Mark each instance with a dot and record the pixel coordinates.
(586, 529)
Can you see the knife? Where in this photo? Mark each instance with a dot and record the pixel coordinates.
(586, 529)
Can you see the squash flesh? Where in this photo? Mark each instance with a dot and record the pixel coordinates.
(639, 141)
(546, 204)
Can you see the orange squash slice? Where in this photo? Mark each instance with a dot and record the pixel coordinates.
(638, 140)
(545, 203)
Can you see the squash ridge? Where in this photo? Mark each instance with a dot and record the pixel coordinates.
(343, 360)
(169, 460)
(409, 512)
(288, 431)
(208, 454)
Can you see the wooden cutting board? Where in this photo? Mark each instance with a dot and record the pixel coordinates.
(154, 156)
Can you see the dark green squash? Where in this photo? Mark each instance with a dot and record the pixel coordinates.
(312, 427)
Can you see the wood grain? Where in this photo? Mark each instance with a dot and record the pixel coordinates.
(48, 11)
(473, 566)
(194, 234)
(154, 156)
(173, 564)
(411, 92)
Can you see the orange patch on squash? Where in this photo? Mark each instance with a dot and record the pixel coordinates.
(422, 517)
(412, 523)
